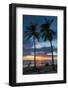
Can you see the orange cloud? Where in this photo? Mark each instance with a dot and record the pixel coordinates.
(39, 57)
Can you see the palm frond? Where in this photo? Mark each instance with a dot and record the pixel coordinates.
(43, 35)
(52, 31)
(26, 33)
(45, 38)
(51, 21)
(28, 37)
(42, 31)
(48, 21)
(36, 35)
(31, 31)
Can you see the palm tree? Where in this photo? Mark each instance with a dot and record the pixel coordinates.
(31, 33)
(47, 34)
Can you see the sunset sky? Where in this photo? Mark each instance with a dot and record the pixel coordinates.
(39, 57)
(43, 49)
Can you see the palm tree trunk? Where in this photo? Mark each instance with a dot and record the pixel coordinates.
(34, 52)
(52, 55)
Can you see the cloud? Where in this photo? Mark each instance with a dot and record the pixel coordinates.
(42, 44)
(27, 44)
(54, 53)
(45, 44)
(40, 51)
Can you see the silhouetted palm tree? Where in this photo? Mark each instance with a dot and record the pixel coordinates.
(47, 34)
(32, 33)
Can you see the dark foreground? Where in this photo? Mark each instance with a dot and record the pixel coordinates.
(40, 70)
